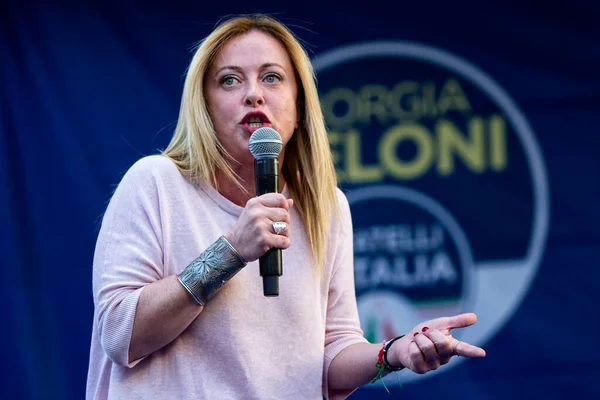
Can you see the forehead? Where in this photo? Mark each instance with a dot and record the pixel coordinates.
(254, 47)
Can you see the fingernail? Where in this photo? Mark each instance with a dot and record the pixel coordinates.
(416, 333)
(425, 329)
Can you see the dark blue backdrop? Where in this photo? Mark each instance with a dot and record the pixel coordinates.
(88, 88)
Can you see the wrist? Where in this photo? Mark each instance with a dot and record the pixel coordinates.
(391, 357)
(209, 272)
(232, 240)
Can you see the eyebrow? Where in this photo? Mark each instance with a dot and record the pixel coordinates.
(236, 68)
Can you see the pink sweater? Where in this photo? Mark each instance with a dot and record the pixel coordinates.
(243, 345)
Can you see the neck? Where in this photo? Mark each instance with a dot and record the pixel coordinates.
(233, 192)
(245, 174)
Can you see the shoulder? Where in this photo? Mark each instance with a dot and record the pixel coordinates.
(341, 217)
(153, 165)
(342, 203)
(150, 170)
(151, 176)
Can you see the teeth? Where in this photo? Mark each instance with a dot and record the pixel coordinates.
(255, 124)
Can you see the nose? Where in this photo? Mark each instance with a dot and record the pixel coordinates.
(254, 97)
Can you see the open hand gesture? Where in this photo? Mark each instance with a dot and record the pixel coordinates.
(430, 344)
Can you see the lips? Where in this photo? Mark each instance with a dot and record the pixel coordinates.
(254, 120)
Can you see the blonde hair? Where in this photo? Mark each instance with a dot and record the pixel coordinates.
(308, 167)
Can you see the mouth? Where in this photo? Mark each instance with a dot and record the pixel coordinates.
(254, 120)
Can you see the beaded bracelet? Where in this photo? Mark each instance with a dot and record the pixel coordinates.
(383, 364)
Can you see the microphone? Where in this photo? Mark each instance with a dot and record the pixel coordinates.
(265, 145)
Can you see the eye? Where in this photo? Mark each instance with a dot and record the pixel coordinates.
(272, 78)
(228, 80)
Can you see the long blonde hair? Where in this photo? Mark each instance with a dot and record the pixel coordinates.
(308, 167)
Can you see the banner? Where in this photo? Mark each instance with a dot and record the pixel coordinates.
(465, 140)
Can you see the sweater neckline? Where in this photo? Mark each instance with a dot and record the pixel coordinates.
(224, 203)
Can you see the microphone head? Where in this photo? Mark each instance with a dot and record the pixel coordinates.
(265, 143)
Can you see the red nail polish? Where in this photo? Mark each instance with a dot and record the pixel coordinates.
(425, 329)
(416, 333)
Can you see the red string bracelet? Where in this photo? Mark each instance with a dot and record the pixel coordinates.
(383, 365)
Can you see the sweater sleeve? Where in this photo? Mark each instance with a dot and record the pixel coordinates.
(342, 321)
(128, 256)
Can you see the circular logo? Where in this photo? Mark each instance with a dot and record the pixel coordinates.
(446, 184)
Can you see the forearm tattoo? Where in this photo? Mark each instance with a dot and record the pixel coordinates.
(209, 272)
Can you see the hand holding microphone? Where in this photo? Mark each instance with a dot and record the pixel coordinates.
(253, 235)
(258, 228)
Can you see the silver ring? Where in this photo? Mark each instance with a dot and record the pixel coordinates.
(279, 226)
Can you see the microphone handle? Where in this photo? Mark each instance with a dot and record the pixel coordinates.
(266, 172)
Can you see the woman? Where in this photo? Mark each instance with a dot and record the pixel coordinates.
(179, 308)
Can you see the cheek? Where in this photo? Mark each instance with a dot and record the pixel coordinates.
(221, 116)
(289, 112)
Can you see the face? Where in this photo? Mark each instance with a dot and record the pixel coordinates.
(251, 84)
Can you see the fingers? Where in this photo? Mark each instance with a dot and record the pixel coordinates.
(273, 206)
(441, 344)
(417, 361)
(431, 348)
(274, 200)
(277, 214)
(456, 321)
(268, 209)
(254, 233)
(428, 351)
(464, 349)
(435, 348)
